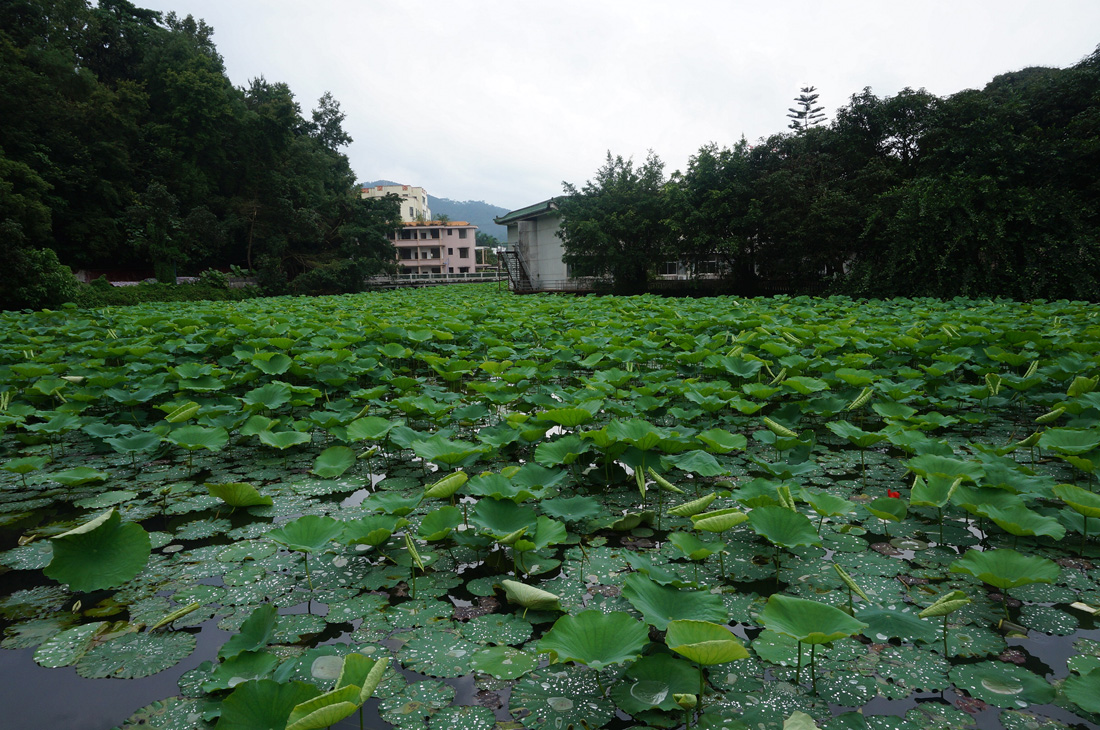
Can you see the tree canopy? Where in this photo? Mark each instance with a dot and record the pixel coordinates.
(988, 192)
(124, 145)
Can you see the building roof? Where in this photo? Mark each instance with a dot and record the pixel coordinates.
(531, 211)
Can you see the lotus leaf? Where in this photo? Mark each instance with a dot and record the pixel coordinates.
(309, 533)
(256, 632)
(333, 462)
(719, 520)
(241, 668)
(238, 494)
(103, 553)
(694, 507)
(1083, 690)
(693, 547)
(134, 655)
(283, 440)
(783, 527)
(79, 475)
(595, 639)
(437, 525)
(1005, 568)
(697, 462)
(704, 642)
(503, 662)
(530, 597)
(263, 704)
(808, 621)
(1002, 684)
(652, 682)
(660, 604)
(447, 486)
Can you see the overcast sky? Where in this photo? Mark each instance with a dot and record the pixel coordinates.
(502, 100)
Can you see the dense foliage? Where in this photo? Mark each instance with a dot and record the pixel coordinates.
(985, 192)
(578, 511)
(125, 146)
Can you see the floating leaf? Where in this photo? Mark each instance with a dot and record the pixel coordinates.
(333, 462)
(238, 494)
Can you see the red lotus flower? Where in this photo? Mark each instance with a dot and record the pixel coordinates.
(892, 493)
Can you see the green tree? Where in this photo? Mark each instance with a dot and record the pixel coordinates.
(615, 227)
(806, 115)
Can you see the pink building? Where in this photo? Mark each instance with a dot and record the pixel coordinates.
(436, 247)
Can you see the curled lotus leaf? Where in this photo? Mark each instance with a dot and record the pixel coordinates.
(694, 507)
(447, 486)
(719, 520)
(530, 597)
(704, 642)
(946, 604)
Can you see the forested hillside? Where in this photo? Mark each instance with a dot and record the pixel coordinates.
(125, 145)
(990, 192)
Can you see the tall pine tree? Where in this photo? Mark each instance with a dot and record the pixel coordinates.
(806, 115)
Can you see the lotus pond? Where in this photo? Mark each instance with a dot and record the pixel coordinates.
(460, 508)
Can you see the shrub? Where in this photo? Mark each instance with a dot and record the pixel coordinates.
(33, 278)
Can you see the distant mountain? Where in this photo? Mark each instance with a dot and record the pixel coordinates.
(478, 212)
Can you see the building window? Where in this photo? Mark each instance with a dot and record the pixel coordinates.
(406, 254)
(464, 253)
(462, 233)
(450, 232)
(451, 270)
(433, 253)
(412, 211)
(423, 234)
(450, 252)
(464, 269)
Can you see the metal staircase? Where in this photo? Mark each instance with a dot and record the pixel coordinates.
(518, 279)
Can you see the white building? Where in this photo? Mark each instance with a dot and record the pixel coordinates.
(535, 250)
(414, 200)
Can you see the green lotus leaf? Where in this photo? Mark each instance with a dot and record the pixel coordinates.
(438, 524)
(808, 621)
(855, 435)
(503, 662)
(1019, 520)
(783, 527)
(333, 462)
(799, 721)
(1082, 500)
(891, 509)
(637, 432)
(269, 396)
(244, 666)
(373, 530)
(1002, 684)
(309, 533)
(660, 604)
(79, 475)
(103, 553)
(193, 438)
(1083, 690)
(1006, 568)
(139, 443)
(64, 648)
(447, 453)
(535, 477)
(930, 464)
(263, 704)
(284, 439)
(132, 655)
(324, 710)
(561, 451)
(530, 597)
(693, 547)
(238, 494)
(826, 504)
(500, 517)
(885, 623)
(935, 491)
(569, 417)
(595, 639)
(371, 428)
(718, 520)
(1070, 440)
(720, 441)
(183, 412)
(447, 486)
(391, 503)
(946, 604)
(697, 462)
(652, 683)
(704, 642)
(572, 509)
(363, 672)
(271, 363)
(694, 507)
(547, 532)
(256, 632)
(25, 464)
